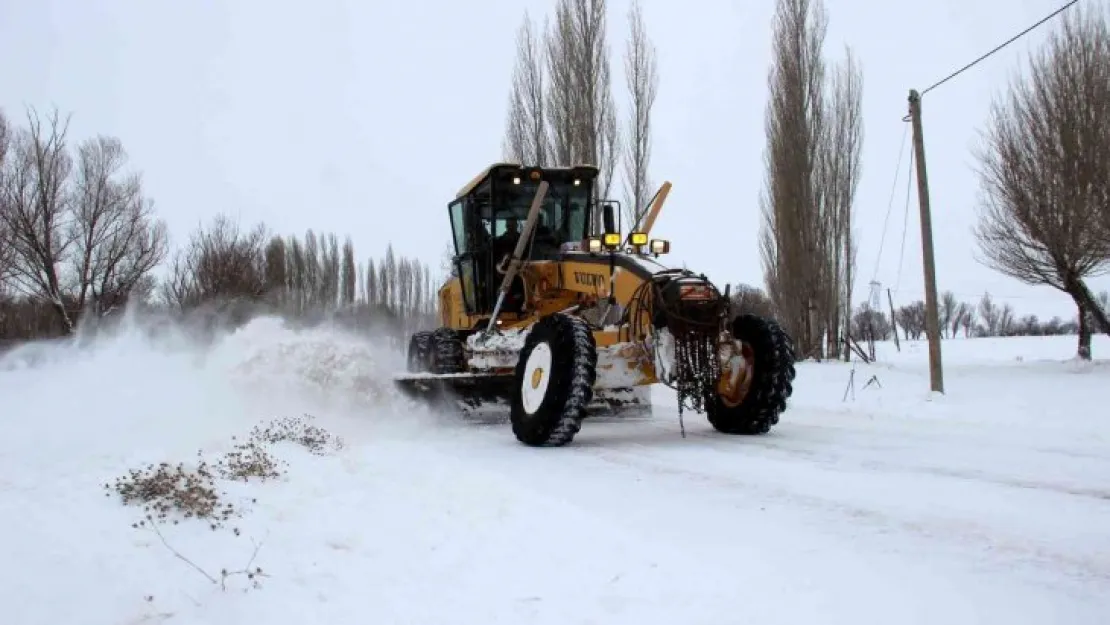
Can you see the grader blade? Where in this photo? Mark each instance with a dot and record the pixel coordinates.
(467, 392)
(491, 395)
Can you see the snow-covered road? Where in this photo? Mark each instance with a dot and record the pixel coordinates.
(990, 504)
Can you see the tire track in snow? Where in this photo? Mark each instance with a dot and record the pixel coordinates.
(780, 444)
(732, 517)
(989, 541)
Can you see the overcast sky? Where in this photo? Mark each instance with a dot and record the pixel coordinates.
(364, 118)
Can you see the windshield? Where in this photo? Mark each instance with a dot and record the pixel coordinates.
(562, 218)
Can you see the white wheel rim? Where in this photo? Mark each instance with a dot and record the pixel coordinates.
(537, 375)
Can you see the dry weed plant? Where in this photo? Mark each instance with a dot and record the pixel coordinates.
(297, 430)
(168, 493)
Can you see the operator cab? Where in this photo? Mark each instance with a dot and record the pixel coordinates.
(488, 214)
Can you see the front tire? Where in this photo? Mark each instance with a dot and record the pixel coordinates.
(554, 381)
(772, 384)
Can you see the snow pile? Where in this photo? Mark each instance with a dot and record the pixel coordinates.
(163, 380)
(319, 365)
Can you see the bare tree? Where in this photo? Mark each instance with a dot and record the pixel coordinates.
(6, 255)
(387, 279)
(296, 283)
(642, 80)
(348, 273)
(526, 139)
(79, 234)
(912, 319)
(869, 324)
(814, 143)
(1006, 320)
(560, 101)
(116, 239)
(839, 170)
(790, 241)
(967, 319)
(1103, 303)
(311, 276)
(372, 284)
(277, 272)
(949, 308)
(565, 115)
(330, 287)
(996, 320)
(219, 264)
(33, 207)
(1044, 168)
(582, 119)
(990, 315)
(747, 299)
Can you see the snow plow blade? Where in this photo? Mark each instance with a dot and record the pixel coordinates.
(478, 393)
(468, 390)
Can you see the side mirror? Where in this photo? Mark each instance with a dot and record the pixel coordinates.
(609, 219)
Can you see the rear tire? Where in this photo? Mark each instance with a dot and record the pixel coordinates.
(419, 352)
(554, 381)
(436, 352)
(446, 351)
(773, 381)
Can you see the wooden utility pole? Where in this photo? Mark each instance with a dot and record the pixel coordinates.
(932, 314)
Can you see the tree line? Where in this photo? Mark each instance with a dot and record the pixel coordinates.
(1044, 170)
(985, 318)
(79, 240)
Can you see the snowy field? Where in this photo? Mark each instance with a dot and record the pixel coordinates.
(990, 504)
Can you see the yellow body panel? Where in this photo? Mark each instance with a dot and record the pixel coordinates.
(552, 286)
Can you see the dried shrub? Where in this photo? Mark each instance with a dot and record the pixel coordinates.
(250, 459)
(164, 490)
(298, 430)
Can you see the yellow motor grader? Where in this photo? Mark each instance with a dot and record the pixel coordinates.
(554, 311)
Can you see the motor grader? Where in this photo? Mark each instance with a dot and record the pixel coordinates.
(567, 316)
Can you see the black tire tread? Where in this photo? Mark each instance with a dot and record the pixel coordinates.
(773, 384)
(446, 351)
(419, 351)
(574, 371)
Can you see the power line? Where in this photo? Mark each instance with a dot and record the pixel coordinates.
(999, 47)
(905, 221)
(890, 202)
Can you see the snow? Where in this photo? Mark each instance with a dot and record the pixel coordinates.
(989, 504)
(664, 354)
(496, 350)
